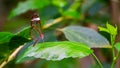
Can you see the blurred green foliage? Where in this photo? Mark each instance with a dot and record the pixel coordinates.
(74, 12)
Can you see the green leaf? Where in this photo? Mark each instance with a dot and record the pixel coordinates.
(28, 5)
(9, 42)
(103, 29)
(5, 37)
(117, 46)
(86, 36)
(16, 41)
(56, 51)
(112, 29)
(4, 52)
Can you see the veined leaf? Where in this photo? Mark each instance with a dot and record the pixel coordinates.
(56, 51)
(86, 36)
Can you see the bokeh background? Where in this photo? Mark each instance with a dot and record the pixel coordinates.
(16, 14)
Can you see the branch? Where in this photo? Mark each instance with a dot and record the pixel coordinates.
(52, 23)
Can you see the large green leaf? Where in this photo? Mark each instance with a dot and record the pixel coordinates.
(12, 40)
(55, 51)
(8, 42)
(5, 37)
(86, 36)
(29, 5)
(16, 41)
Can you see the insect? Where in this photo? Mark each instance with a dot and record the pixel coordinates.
(36, 32)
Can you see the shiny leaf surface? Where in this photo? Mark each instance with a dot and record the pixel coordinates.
(56, 51)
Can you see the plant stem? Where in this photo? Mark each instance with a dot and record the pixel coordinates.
(113, 52)
(112, 43)
(114, 60)
(57, 20)
(98, 61)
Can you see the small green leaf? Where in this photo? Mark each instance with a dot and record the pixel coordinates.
(112, 29)
(86, 36)
(103, 29)
(56, 51)
(117, 46)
